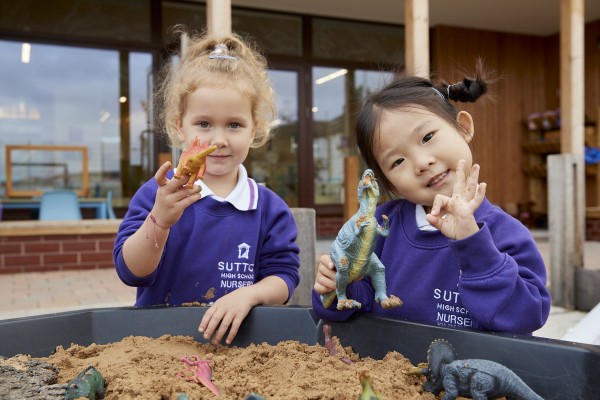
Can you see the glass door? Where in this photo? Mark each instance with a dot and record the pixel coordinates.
(336, 97)
(275, 165)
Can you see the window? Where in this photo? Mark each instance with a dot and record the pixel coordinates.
(73, 96)
(337, 93)
(276, 163)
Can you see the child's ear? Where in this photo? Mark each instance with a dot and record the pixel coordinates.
(465, 121)
(180, 134)
(254, 129)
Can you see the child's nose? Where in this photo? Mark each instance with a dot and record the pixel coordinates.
(218, 137)
(423, 163)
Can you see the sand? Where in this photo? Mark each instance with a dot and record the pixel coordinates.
(146, 368)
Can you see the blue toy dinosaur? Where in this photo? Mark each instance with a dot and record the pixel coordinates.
(352, 250)
(478, 379)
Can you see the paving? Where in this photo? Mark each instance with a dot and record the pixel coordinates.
(28, 294)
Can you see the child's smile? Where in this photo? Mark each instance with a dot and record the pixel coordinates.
(440, 180)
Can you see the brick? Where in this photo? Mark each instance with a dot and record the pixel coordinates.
(23, 260)
(63, 238)
(11, 248)
(42, 247)
(106, 245)
(60, 258)
(96, 257)
(78, 246)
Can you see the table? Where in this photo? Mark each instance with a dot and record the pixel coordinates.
(33, 203)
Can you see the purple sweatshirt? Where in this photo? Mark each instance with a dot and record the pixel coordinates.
(493, 280)
(213, 249)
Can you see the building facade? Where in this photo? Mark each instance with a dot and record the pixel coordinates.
(82, 73)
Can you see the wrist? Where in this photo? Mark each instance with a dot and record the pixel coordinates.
(156, 223)
(467, 230)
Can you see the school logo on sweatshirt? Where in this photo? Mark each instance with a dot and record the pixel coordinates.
(236, 274)
(450, 311)
(243, 250)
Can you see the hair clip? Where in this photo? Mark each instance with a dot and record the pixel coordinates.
(221, 51)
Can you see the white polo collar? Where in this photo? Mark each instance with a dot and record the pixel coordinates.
(244, 195)
(422, 222)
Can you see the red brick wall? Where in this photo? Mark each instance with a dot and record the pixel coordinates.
(56, 252)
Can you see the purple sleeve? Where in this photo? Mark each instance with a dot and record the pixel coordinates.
(508, 291)
(139, 206)
(361, 291)
(279, 253)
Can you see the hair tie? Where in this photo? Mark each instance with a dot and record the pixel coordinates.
(439, 93)
(221, 51)
(448, 90)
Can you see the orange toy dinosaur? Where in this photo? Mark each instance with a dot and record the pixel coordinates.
(193, 162)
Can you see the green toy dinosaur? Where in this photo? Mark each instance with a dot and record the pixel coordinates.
(352, 250)
(88, 384)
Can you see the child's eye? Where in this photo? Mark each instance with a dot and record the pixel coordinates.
(234, 125)
(427, 137)
(203, 124)
(397, 162)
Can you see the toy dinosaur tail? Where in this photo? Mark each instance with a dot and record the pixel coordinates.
(328, 298)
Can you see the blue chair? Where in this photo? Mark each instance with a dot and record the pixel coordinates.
(109, 207)
(60, 205)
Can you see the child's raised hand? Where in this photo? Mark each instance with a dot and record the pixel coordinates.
(172, 197)
(325, 279)
(453, 216)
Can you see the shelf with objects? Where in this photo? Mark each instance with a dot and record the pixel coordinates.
(541, 139)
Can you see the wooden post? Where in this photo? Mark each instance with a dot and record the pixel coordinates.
(572, 99)
(307, 242)
(416, 18)
(566, 210)
(566, 172)
(351, 177)
(218, 17)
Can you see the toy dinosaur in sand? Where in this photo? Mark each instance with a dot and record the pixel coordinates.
(193, 162)
(352, 250)
(199, 371)
(478, 379)
(367, 391)
(88, 384)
